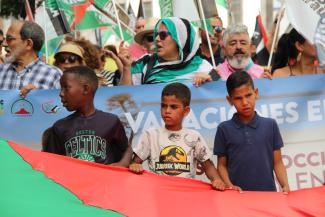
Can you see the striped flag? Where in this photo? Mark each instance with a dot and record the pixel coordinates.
(29, 14)
(259, 39)
(37, 184)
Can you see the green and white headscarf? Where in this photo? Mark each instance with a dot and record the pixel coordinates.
(151, 69)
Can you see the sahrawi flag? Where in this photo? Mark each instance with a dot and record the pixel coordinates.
(38, 184)
(304, 16)
(78, 14)
(259, 39)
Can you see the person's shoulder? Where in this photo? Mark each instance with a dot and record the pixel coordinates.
(281, 72)
(108, 115)
(267, 120)
(49, 67)
(226, 123)
(192, 131)
(64, 121)
(5, 66)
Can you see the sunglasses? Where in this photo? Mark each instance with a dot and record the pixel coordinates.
(218, 29)
(71, 59)
(149, 38)
(163, 34)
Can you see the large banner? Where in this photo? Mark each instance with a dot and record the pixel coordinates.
(37, 184)
(296, 103)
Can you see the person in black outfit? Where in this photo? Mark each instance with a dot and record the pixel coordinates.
(87, 134)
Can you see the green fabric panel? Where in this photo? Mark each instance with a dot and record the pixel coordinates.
(28, 193)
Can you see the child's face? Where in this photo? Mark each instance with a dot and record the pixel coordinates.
(72, 92)
(243, 98)
(173, 111)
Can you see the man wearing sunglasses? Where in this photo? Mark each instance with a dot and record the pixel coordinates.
(23, 69)
(215, 28)
(145, 36)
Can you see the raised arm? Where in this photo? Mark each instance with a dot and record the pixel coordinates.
(125, 57)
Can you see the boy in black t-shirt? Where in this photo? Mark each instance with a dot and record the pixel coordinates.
(88, 133)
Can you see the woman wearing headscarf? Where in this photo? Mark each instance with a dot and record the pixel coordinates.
(175, 59)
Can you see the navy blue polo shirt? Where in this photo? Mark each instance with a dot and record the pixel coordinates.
(249, 151)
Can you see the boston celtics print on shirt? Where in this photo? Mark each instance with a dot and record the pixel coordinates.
(173, 153)
(85, 145)
(98, 138)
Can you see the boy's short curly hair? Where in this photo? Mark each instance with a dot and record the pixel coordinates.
(179, 90)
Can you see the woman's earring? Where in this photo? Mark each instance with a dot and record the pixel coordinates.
(299, 57)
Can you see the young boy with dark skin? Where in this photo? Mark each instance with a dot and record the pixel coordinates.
(174, 150)
(88, 133)
(249, 146)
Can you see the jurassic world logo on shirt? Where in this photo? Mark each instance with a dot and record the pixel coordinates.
(172, 161)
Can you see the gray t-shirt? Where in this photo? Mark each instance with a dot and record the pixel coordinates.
(172, 153)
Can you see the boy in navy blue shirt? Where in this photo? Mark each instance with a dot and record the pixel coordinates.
(249, 146)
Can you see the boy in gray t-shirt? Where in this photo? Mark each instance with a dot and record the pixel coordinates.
(174, 150)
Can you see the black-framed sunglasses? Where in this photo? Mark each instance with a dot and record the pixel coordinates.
(218, 29)
(163, 34)
(70, 58)
(149, 38)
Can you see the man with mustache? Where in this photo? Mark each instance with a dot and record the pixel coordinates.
(236, 47)
(23, 69)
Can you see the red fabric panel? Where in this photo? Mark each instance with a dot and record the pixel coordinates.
(153, 195)
(260, 23)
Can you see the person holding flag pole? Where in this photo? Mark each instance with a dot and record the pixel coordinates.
(267, 71)
(207, 33)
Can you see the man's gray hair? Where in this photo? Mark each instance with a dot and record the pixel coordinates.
(234, 29)
(33, 31)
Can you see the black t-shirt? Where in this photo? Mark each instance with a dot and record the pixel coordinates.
(98, 138)
(217, 56)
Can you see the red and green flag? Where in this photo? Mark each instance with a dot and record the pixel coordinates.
(37, 184)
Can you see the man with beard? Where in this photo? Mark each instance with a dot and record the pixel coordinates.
(23, 70)
(215, 28)
(236, 45)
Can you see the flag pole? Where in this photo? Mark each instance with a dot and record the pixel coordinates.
(229, 3)
(207, 33)
(275, 36)
(45, 34)
(118, 20)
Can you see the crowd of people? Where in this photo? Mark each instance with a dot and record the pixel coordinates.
(169, 50)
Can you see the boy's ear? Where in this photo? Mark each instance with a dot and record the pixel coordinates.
(87, 89)
(256, 93)
(229, 100)
(187, 110)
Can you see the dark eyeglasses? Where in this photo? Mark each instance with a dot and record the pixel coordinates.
(163, 34)
(218, 29)
(149, 38)
(9, 38)
(71, 59)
